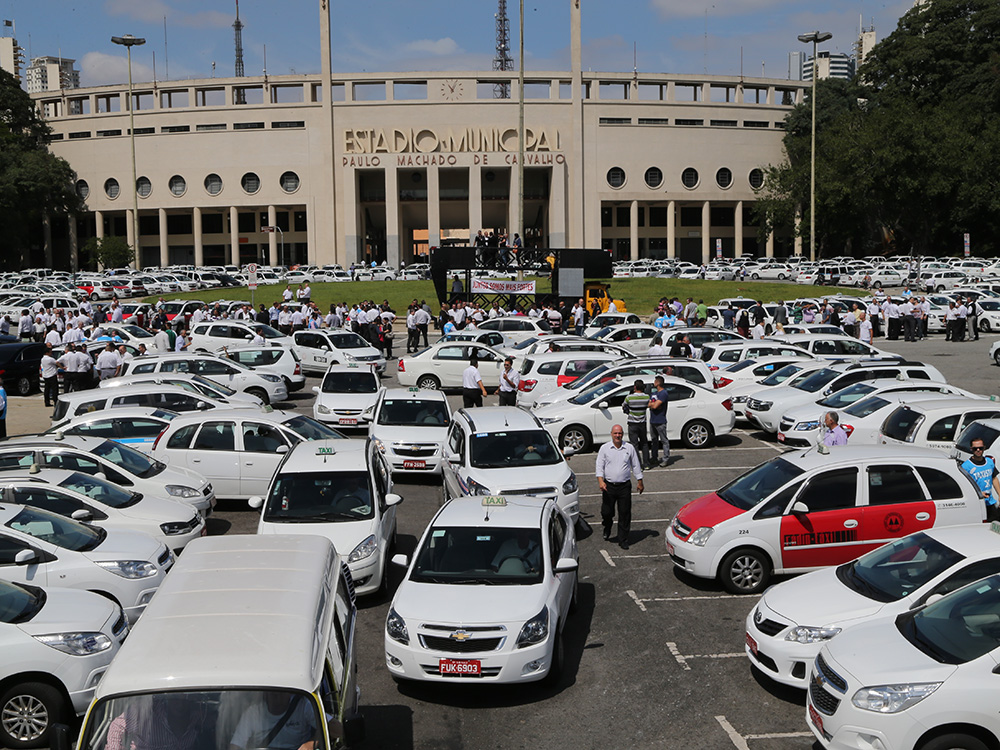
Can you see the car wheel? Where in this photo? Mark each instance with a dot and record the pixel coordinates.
(755, 276)
(558, 658)
(940, 288)
(984, 326)
(877, 284)
(954, 742)
(23, 386)
(745, 571)
(27, 713)
(781, 277)
(576, 437)
(259, 393)
(697, 434)
(94, 296)
(428, 383)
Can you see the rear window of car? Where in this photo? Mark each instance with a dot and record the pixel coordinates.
(976, 432)
(550, 368)
(940, 485)
(901, 424)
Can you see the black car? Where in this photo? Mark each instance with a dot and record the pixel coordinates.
(19, 364)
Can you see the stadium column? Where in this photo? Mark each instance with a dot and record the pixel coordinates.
(557, 207)
(671, 230)
(199, 243)
(706, 232)
(476, 201)
(99, 231)
(391, 217)
(514, 194)
(234, 236)
(633, 230)
(130, 238)
(349, 196)
(433, 207)
(738, 227)
(769, 246)
(272, 238)
(164, 247)
(74, 245)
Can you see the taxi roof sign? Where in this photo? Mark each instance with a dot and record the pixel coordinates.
(494, 501)
(995, 527)
(325, 450)
(413, 389)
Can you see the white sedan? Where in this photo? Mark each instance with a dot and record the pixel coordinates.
(318, 349)
(346, 392)
(410, 426)
(695, 415)
(635, 338)
(441, 365)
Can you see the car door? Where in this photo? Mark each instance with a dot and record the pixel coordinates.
(213, 454)
(605, 411)
(450, 469)
(221, 372)
(386, 513)
(559, 547)
(313, 350)
(137, 432)
(897, 505)
(262, 447)
(829, 531)
(680, 406)
(448, 363)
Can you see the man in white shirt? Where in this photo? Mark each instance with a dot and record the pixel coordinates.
(423, 320)
(757, 332)
(579, 317)
(906, 316)
(473, 389)
(657, 349)
(950, 322)
(891, 312)
(50, 378)
(109, 362)
(962, 314)
(298, 320)
(612, 307)
(73, 335)
(458, 314)
(510, 379)
(117, 316)
(52, 338)
(864, 328)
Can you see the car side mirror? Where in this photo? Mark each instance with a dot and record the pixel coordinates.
(281, 449)
(569, 452)
(25, 557)
(255, 502)
(101, 475)
(452, 457)
(933, 598)
(566, 565)
(82, 514)
(315, 389)
(393, 499)
(401, 560)
(800, 508)
(603, 405)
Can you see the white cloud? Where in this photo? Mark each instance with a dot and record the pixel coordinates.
(100, 68)
(437, 47)
(153, 11)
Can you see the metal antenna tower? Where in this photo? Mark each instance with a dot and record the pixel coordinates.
(240, 94)
(503, 60)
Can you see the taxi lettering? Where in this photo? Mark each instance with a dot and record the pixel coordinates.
(819, 537)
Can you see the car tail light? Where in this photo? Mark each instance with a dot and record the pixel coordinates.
(297, 370)
(565, 380)
(722, 382)
(728, 403)
(157, 441)
(401, 367)
(527, 385)
(849, 429)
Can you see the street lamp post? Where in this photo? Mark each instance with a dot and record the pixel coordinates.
(128, 42)
(520, 145)
(815, 37)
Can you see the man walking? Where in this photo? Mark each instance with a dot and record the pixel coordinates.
(635, 407)
(658, 422)
(617, 461)
(509, 381)
(473, 389)
(50, 377)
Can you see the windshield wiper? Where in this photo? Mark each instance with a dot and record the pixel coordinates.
(317, 518)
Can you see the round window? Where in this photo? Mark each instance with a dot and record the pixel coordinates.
(143, 187)
(689, 178)
(213, 184)
(111, 188)
(177, 185)
(616, 177)
(756, 178)
(82, 189)
(289, 182)
(250, 183)
(654, 177)
(724, 177)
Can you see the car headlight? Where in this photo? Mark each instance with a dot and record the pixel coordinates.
(77, 644)
(551, 420)
(171, 528)
(349, 357)
(320, 409)
(179, 490)
(570, 485)
(363, 551)
(475, 488)
(379, 444)
(535, 630)
(271, 378)
(807, 634)
(804, 426)
(129, 568)
(891, 699)
(740, 399)
(700, 536)
(395, 628)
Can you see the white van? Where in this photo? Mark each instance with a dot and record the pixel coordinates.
(266, 625)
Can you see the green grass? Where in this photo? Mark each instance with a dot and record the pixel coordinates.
(641, 295)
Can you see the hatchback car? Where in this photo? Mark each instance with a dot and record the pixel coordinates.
(216, 335)
(542, 374)
(934, 424)
(410, 427)
(345, 393)
(517, 327)
(805, 510)
(318, 349)
(277, 360)
(266, 386)
(486, 595)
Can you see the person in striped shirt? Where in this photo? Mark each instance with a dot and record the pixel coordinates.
(636, 407)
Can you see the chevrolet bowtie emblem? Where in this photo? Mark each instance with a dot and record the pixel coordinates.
(460, 635)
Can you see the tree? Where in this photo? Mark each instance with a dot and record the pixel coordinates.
(33, 181)
(110, 252)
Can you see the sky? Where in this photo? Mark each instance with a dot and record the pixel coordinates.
(724, 37)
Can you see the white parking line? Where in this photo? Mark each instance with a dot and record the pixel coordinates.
(641, 602)
(679, 468)
(682, 659)
(607, 558)
(635, 598)
(740, 741)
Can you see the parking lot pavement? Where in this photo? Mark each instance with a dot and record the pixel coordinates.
(654, 658)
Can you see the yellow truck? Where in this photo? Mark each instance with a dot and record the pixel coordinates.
(601, 293)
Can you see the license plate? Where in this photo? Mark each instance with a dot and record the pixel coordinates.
(752, 644)
(470, 667)
(321, 359)
(414, 464)
(781, 437)
(670, 548)
(816, 719)
(348, 420)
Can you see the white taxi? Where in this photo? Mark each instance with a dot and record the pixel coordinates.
(917, 681)
(342, 490)
(345, 393)
(792, 621)
(410, 426)
(808, 509)
(487, 594)
(318, 349)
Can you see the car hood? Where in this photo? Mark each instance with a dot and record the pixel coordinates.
(345, 535)
(520, 477)
(409, 434)
(158, 509)
(819, 599)
(70, 611)
(810, 412)
(708, 510)
(465, 604)
(346, 400)
(126, 545)
(176, 475)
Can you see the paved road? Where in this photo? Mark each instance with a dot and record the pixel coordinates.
(654, 659)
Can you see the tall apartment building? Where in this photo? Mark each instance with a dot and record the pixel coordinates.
(53, 74)
(11, 56)
(829, 65)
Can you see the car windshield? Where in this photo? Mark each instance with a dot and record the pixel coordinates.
(348, 340)
(213, 388)
(205, 720)
(866, 406)
(19, 603)
(779, 377)
(57, 530)
(752, 488)
(976, 431)
(958, 628)
(320, 497)
(847, 396)
(601, 333)
(506, 450)
(895, 570)
(101, 491)
(129, 459)
(596, 392)
(588, 378)
(737, 366)
(487, 555)
(308, 429)
(136, 332)
(815, 380)
(413, 412)
(172, 308)
(362, 381)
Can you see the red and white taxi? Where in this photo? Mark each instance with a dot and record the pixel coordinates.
(805, 510)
